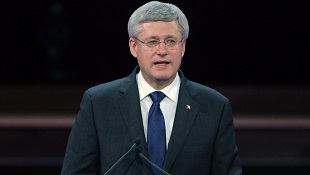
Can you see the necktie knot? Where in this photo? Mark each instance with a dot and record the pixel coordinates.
(157, 96)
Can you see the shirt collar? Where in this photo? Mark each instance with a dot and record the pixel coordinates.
(170, 91)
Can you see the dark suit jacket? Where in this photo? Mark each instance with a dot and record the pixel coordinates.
(109, 120)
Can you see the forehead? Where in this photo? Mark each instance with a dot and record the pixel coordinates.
(160, 29)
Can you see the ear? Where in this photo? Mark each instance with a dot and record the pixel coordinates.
(183, 47)
(133, 47)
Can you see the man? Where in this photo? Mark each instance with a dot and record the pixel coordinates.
(195, 121)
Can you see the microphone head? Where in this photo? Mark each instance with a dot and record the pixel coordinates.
(139, 149)
(137, 141)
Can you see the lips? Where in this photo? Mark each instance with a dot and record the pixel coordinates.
(161, 62)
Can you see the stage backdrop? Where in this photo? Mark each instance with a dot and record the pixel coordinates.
(230, 42)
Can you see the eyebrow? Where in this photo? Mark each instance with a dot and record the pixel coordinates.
(166, 37)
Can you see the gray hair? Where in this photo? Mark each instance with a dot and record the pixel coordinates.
(157, 11)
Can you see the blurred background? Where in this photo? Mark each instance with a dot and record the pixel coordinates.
(254, 52)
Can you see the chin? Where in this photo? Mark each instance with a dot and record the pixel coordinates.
(164, 77)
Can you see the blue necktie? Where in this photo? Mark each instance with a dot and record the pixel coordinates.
(156, 132)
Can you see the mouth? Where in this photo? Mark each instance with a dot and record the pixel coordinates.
(161, 62)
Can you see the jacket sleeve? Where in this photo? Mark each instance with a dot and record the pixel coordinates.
(82, 153)
(225, 159)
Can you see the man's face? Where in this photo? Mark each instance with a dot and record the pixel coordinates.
(159, 64)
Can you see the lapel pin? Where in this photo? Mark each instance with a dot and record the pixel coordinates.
(188, 107)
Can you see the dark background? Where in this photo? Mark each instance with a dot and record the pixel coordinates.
(230, 42)
(255, 52)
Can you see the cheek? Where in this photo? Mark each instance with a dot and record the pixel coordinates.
(143, 60)
(178, 59)
(144, 57)
(179, 62)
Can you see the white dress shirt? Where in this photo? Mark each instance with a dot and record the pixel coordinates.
(168, 105)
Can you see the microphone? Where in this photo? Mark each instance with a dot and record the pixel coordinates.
(139, 150)
(135, 144)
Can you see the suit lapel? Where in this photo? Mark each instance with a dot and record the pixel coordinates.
(185, 114)
(129, 104)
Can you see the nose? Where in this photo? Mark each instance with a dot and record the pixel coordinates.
(162, 49)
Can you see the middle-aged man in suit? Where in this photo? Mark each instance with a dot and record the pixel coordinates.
(193, 131)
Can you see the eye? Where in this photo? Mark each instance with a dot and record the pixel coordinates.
(170, 42)
(152, 43)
